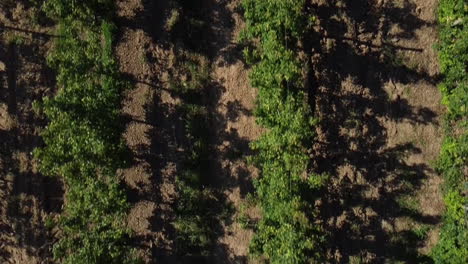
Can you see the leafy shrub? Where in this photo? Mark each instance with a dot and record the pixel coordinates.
(453, 53)
(453, 242)
(454, 56)
(286, 232)
(83, 138)
(78, 10)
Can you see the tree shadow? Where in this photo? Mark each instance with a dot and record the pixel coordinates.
(369, 208)
(190, 30)
(35, 34)
(27, 195)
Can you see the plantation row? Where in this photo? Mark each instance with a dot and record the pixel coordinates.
(453, 53)
(83, 138)
(287, 232)
(197, 205)
(200, 207)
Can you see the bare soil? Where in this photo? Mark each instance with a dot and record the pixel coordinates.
(376, 73)
(235, 126)
(147, 56)
(149, 132)
(26, 197)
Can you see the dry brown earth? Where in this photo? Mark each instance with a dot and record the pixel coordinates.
(26, 197)
(379, 107)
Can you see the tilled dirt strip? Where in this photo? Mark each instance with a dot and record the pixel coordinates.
(379, 107)
(149, 134)
(26, 197)
(145, 54)
(234, 123)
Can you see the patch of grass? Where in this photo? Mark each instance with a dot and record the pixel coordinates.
(353, 120)
(173, 19)
(245, 221)
(200, 208)
(412, 65)
(356, 260)
(50, 223)
(243, 218)
(392, 56)
(407, 91)
(453, 54)
(144, 57)
(406, 184)
(192, 78)
(422, 142)
(355, 228)
(421, 231)
(14, 38)
(408, 203)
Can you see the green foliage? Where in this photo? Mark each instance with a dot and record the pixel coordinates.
(194, 211)
(286, 233)
(265, 17)
(243, 218)
(453, 242)
(84, 115)
(91, 232)
(453, 157)
(83, 138)
(198, 208)
(81, 10)
(453, 53)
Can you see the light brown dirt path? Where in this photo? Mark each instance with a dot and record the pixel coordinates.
(26, 197)
(234, 123)
(380, 128)
(150, 130)
(146, 57)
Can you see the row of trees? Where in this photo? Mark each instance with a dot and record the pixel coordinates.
(287, 232)
(83, 142)
(453, 53)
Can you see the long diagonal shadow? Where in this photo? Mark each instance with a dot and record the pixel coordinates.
(366, 197)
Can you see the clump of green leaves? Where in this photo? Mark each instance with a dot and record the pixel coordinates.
(199, 209)
(453, 53)
(87, 11)
(83, 138)
(287, 232)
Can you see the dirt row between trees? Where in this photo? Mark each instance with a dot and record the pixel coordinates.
(27, 198)
(147, 55)
(375, 77)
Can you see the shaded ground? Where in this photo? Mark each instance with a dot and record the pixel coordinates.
(27, 198)
(376, 74)
(149, 50)
(235, 126)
